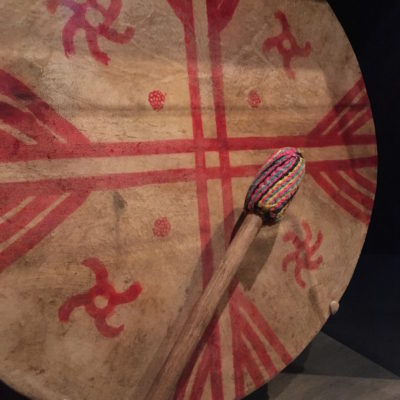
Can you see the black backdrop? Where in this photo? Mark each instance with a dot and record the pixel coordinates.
(369, 317)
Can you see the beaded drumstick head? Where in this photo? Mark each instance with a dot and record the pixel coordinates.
(275, 185)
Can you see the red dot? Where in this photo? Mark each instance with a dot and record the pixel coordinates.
(161, 227)
(157, 100)
(254, 99)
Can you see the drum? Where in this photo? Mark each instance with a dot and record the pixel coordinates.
(130, 132)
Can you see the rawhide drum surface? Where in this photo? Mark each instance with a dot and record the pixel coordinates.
(130, 131)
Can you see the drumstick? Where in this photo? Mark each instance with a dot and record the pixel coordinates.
(267, 199)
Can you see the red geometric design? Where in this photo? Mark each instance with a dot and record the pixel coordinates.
(79, 21)
(56, 138)
(287, 45)
(303, 252)
(208, 353)
(39, 124)
(32, 209)
(341, 180)
(103, 288)
(242, 310)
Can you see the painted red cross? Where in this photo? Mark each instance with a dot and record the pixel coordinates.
(47, 136)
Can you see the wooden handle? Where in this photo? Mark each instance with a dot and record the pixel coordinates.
(203, 311)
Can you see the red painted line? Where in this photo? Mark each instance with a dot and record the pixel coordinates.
(339, 199)
(302, 141)
(241, 301)
(348, 116)
(361, 180)
(355, 194)
(15, 151)
(216, 365)
(224, 10)
(236, 352)
(182, 384)
(254, 371)
(108, 182)
(209, 363)
(22, 218)
(96, 150)
(213, 350)
(133, 179)
(25, 122)
(9, 200)
(258, 346)
(358, 123)
(213, 347)
(248, 364)
(9, 144)
(333, 165)
(37, 233)
(14, 192)
(56, 123)
(19, 93)
(216, 22)
(201, 376)
(184, 11)
(242, 358)
(311, 167)
(345, 102)
(201, 179)
(209, 341)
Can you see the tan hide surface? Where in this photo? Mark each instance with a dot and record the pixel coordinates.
(130, 131)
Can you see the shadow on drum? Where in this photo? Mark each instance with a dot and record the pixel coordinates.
(252, 263)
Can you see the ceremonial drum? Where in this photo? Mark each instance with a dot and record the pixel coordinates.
(130, 132)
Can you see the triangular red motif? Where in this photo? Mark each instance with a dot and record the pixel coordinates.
(209, 366)
(242, 310)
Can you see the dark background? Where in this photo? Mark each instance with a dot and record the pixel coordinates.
(369, 317)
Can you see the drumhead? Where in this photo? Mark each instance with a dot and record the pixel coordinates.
(130, 132)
